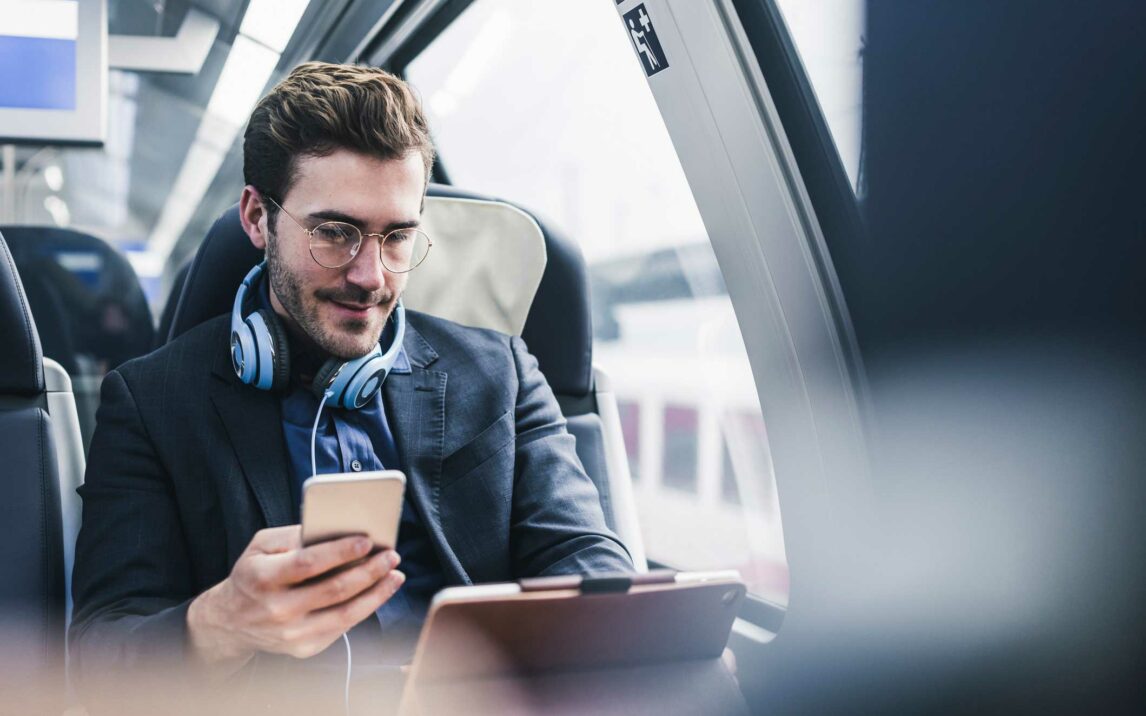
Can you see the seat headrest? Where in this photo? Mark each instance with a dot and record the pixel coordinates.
(21, 363)
(543, 293)
(486, 264)
(222, 260)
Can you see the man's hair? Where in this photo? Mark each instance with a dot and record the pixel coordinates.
(320, 108)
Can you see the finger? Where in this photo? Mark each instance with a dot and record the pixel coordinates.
(274, 540)
(338, 619)
(321, 628)
(342, 586)
(309, 562)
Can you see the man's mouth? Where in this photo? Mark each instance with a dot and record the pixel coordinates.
(353, 310)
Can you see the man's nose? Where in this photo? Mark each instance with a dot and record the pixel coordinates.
(365, 270)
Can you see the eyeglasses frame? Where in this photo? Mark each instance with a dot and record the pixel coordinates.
(362, 238)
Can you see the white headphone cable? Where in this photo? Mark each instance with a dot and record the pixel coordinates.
(314, 471)
(314, 432)
(349, 661)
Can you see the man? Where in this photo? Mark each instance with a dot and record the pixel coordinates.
(189, 558)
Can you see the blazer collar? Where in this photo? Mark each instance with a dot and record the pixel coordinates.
(419, 352)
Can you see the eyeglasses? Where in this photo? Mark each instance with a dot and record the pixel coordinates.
(333, 244)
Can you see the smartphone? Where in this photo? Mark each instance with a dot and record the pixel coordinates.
(353, 503)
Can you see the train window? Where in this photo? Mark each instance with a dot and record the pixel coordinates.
(728, 489)
(682, 433)
(545, 104)
(631, 428)
(828, 35)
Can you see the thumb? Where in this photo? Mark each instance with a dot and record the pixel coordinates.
(274, 540)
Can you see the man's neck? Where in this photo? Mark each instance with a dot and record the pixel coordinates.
(306, 356)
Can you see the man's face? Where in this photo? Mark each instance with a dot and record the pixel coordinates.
(344, 309)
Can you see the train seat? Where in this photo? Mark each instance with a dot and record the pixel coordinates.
(167, 315)
(36, 432)
(535, 285)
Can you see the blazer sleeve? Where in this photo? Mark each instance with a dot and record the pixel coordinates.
(557, 525)
(132, 580)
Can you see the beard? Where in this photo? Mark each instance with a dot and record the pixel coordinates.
(347, 339)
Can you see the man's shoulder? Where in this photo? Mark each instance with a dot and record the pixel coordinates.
(193, 351)
(446, 336)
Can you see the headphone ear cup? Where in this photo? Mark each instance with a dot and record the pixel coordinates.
(325, 375)
(280, 350)
(243, 352)
(358, 380)
(352, 384)
(365, 380)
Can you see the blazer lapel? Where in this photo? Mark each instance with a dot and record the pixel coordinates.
(416, 404)
(253, 422)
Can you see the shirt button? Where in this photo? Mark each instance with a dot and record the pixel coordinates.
(355, 466)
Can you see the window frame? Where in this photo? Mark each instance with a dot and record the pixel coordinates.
(836, 205)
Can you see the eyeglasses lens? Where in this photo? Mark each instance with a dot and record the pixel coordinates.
(335, 244)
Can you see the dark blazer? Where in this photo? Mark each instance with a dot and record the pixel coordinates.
(187, 463)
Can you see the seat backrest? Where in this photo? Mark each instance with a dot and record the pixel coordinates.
(51, 317)
(32, 581)
(521, 276)
(167, 316)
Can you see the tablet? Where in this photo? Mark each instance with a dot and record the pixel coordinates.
(555, 624)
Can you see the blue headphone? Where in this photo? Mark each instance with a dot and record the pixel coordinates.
(260, 355)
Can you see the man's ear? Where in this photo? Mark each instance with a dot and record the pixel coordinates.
(253, 216)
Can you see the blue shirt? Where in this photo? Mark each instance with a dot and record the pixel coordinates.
(358, 441)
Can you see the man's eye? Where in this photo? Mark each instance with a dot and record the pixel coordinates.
(334, 234)
(397, 238)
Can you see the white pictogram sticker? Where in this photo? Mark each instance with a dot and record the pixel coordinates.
(645, 40)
